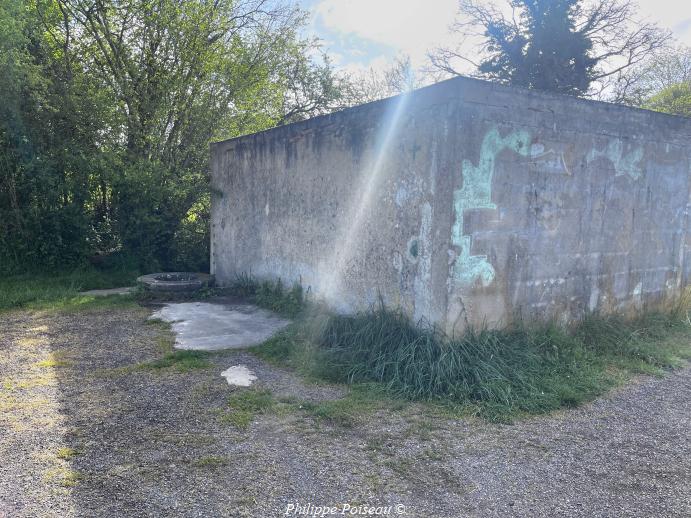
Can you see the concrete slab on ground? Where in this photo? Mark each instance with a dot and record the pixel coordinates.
(206, 326)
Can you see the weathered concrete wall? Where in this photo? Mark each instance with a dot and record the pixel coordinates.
(464, 202)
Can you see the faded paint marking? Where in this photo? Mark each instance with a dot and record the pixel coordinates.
(627, 164)
(476, 193)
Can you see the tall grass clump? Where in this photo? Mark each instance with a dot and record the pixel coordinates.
(515, 369)
(523, 368)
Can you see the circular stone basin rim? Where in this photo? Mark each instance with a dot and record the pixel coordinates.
(175, 281)
(175, 277)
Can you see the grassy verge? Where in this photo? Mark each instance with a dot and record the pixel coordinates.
(499, 374)
(60, 290)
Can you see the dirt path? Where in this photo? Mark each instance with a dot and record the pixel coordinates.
(84, 433)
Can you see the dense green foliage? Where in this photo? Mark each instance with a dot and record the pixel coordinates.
(108, 109)
(675, 99)
(500, 373)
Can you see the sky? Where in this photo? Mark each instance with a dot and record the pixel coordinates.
(363, 34)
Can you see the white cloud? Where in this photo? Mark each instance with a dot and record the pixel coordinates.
(669, 14)
(413, 27)
(405, 26)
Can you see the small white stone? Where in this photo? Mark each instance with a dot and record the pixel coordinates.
(239, 375)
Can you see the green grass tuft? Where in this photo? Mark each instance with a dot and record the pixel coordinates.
(245, 404)
(503, 373)
(180, 360)
(66, 453)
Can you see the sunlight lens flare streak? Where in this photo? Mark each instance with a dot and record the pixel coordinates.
(360, 204)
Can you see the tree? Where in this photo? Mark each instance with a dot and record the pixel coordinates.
(660, 71)
(373, 85)
(675, 99)
(565, 46)
(109, 107)
(43, 186)
(310, 87)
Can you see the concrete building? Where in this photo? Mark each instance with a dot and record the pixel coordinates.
(462, 203)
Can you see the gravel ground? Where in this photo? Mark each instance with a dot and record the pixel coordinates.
(83, 434)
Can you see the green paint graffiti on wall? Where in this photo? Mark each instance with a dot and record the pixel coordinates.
(623, 164)
(476, 193)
